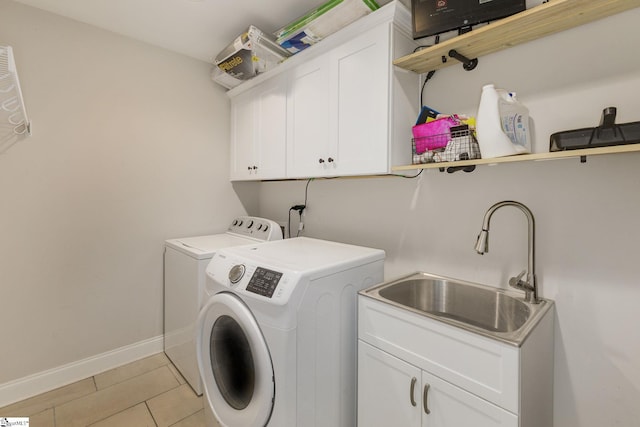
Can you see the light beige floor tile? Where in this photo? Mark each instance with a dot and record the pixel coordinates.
(111, 400)
(195, 420)
(177, 373)
(138, 416)
(49, 399)
(42, 419)
(130, 370)
(174, 405)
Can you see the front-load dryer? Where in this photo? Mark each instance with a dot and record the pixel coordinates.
(185, 261)
(277, 335)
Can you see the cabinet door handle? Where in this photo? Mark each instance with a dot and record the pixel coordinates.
(330, 160)
(424, 399)
(411, 391)
(321, 161)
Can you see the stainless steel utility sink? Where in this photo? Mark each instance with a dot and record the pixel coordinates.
(485, 310)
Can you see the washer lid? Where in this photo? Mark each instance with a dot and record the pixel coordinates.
(203, 247)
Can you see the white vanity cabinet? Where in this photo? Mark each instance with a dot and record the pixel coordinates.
(258, 132)
(417, 371)
(394, 392)
(347, 109)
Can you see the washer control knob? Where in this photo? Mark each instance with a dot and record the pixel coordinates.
(236, 273)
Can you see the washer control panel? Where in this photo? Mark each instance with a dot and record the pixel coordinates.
(258, 228)
(264, 282)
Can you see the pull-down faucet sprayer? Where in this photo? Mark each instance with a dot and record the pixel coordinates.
(529, 286)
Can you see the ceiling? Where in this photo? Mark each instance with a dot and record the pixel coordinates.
(196, 28)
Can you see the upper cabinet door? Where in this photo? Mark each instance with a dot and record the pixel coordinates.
(258, 132)
(360, 88)
(242, 137)
(308, 118)
(271, 130)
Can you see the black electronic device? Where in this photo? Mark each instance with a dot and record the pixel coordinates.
(432, 17)
(607, 134)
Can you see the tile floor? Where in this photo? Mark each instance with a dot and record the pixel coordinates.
(147, 393)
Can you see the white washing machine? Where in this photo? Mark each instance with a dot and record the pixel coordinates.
(277, 335)
(185, 261)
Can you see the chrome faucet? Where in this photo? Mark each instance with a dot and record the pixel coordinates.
(529, 286)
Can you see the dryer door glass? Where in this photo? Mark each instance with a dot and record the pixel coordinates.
(232, 362)
(235, 363)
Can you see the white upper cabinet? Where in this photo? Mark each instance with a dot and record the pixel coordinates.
(258, 132)
(308, 117)
(346, 111)
(359, 121)
(338, 110)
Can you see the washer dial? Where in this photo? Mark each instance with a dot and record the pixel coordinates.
(236, 273)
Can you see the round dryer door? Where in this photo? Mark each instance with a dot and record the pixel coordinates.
(234, 362)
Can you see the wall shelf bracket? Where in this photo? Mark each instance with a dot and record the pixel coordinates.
(467, 64)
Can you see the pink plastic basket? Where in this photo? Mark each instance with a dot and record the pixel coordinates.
(424, 134)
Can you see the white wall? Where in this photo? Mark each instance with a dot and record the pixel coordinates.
(586, 214)
(129, 148)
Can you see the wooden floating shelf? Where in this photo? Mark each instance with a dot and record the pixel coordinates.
(630, 148)
(543, 20)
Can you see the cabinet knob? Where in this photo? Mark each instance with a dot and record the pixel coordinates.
(320, 161)
(249, 168)
(255, 168)
(330, 159)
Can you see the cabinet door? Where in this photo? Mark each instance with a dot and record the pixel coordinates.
(388, 390)
(448, 405)
(270, 126)
(360, 86)
(242, 137)
(308, 118)
(258, 132)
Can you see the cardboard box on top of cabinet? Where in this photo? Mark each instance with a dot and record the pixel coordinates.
(322, 22)
(251, 53)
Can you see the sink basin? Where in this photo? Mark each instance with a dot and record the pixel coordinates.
(485, 310)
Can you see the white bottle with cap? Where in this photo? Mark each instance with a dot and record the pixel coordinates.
(502, 124)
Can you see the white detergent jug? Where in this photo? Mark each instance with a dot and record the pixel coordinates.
(502, 124)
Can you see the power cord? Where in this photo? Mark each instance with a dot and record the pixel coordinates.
(300, 209)
(430, 73)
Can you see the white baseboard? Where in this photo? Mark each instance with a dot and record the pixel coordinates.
(41, 382)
